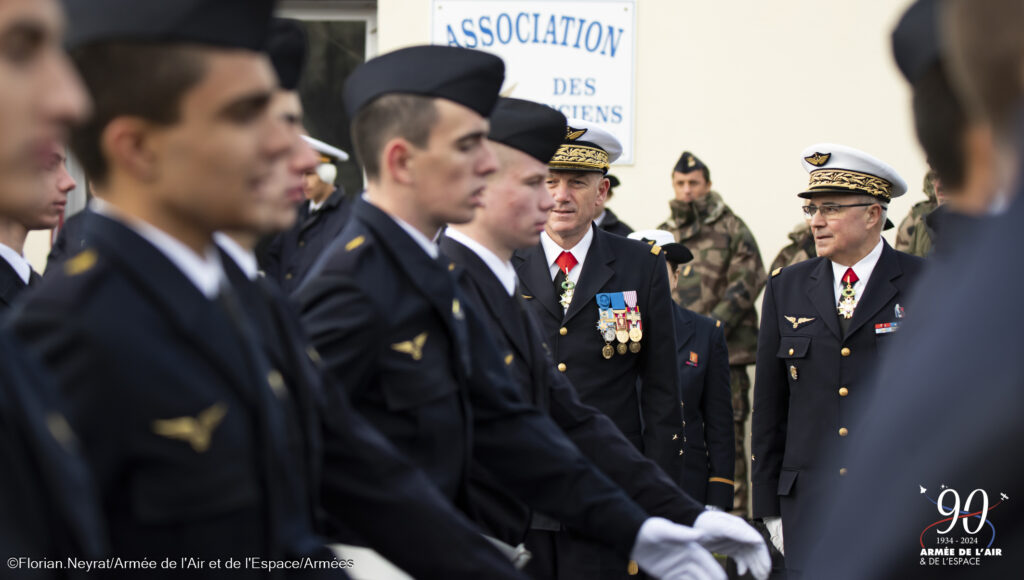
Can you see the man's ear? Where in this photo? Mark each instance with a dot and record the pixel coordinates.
(128, 145)
(602, 189)
(396, 160)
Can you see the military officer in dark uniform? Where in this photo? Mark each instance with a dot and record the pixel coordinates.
(824, 326)
(514, 208)
(960, 350)
(390, 324)
(291, 254)
(703, 359)
(599, 300)
(48, 507)
(606, 218)
(182, 419)
(363, 485)
(39, 212)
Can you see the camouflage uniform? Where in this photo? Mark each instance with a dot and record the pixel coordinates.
(801, 248)
(913, 236)
(723, 281)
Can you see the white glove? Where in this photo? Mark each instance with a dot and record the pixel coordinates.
(730, 535)
(672, 552)
(774, 525)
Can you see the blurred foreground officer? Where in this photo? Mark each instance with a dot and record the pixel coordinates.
(385, 314)
(961, 350)
(363, 484)
(722, 282)
(180, 416)
(47, 505)
(703, 360)
(514, 208)
(41, 212)
(292, 253)
(604, 304)
(824, 326)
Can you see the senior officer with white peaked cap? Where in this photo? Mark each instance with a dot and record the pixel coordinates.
(605, 309)
(824, 325)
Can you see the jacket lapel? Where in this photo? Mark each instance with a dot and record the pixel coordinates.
(823, 296)
(597, 270)
(427, 274)
(880, 289)
(685, 328)
(10, 283)
(504, 309)
(535, 278)
(184, 307)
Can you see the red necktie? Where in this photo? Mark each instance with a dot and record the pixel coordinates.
(566, 262)
(850, 277)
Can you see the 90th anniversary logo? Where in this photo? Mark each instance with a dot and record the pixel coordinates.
(963, 535)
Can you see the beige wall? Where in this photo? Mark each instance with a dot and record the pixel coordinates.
(746, 85)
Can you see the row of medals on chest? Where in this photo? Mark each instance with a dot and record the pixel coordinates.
(618, 319)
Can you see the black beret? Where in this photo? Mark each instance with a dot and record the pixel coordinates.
(915, 42)
(287, 50)
(471, 78)
(225, 23)
(677, 253)
(613, 181)
(689, 162)
(530, 127)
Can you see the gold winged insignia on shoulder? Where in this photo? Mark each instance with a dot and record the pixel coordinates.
(196, 431)
(413, 348)
(797, 322)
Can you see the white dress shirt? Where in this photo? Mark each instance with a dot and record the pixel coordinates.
(503, 270)
(17, 261)
(862, 269)
(205, 272)
(245, 259)
(579, 251)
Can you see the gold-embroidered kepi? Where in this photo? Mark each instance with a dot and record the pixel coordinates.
(840, 169)
(587, 147)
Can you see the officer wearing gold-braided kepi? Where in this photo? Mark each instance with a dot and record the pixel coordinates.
(824, 326)
(604, 305)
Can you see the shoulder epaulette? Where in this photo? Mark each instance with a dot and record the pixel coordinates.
(81, 263)
(354, 243)
(655, 249)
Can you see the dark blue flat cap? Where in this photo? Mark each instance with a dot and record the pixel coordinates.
(533, 128)
(915, 42)
(287, 50)
(471, 78)
(224, 23)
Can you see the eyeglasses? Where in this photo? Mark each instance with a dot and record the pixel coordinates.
(829, 210)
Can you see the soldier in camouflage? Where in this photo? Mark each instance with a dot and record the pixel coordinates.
(723, 281)
(914, 236)
(801, 248)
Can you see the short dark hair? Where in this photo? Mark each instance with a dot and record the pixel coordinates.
(941, 123)
(410, 117)
(131, 79)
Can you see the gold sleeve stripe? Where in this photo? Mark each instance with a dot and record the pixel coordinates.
(721, 480)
